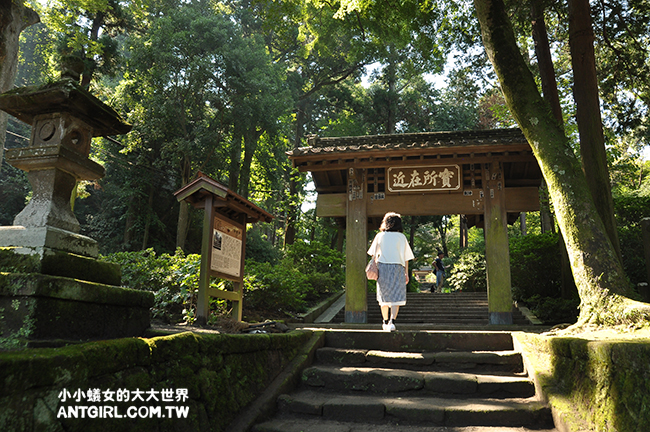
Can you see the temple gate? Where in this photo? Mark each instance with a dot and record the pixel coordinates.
(489, 176)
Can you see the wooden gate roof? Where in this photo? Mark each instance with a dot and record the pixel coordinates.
(328, 159)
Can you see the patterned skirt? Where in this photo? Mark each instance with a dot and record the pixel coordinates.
(391, 285)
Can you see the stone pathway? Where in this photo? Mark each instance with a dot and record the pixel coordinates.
(416, 381)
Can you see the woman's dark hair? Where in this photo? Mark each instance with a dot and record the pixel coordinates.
(392, 222)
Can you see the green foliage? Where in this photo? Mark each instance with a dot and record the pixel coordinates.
(307, 272)
(469, 273)
(173, 279)
(554, 310)
(259, 249)
(535, 266)
(629, 209)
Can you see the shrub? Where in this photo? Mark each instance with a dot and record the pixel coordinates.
(629, 209)
(308, 272)
(535, 266)
(173, 279)
(260, 249)
(468, 273)
(553, 310)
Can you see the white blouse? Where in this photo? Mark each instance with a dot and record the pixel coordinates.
(392, 248)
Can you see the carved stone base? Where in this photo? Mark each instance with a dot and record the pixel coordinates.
(38, 308)
(35, 240)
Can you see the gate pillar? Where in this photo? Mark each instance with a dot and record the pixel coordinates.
(356, 292)
(497, 253)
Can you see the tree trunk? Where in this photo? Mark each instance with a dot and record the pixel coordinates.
(464, 232)
(129, 224)
(251, 139)
(14, 18)
(590, 126)
(292, 211)
(149, 216)
(549, 90)
(235, 162)
(391, 114)
(599, 276)
(183, 224)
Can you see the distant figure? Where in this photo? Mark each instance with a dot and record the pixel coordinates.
(392, 252)
(439, 270)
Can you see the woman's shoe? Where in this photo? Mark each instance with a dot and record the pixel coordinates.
(391, 326)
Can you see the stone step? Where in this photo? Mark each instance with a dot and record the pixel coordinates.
(298, 424)
(418, 410)
(510, 361)
(419, 341)
(383, 380)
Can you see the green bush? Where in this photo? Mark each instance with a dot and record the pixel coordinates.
(468, 273)
(554, 310)
(174, 280)
(307, 273)
(259, 249)
(535, 266)
(629, 209)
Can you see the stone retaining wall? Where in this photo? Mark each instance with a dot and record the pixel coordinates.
(592, 385)
(41, 388)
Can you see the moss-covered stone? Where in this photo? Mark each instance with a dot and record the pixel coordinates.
(600, 385)
(59, 263)
(35, 306)
(222, 373)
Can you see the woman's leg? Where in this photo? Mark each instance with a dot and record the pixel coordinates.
(384, 312)
(394, 311)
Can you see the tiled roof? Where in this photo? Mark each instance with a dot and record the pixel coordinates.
(323, 146)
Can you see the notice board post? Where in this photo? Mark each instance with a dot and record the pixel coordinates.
(223, 243)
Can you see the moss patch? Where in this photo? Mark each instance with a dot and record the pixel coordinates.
(595, 382)
(222, 374)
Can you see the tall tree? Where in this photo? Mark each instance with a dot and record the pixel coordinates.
(600, 279)
(590, 126)
(14, 18)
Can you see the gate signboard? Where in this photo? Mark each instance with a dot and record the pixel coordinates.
(425, 178)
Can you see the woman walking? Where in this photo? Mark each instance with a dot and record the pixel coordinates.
(392, 252)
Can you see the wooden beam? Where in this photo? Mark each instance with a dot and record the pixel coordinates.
(524, 199)
(378, 163)
(223, 294)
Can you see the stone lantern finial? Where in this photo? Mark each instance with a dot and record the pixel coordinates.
(72, 67)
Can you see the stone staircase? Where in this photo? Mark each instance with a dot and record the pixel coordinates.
(372, 381)
(431, 308)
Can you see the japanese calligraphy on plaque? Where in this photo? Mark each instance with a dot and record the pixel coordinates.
(226, 248)
(424, 178)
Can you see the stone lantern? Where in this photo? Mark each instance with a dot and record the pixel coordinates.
(43, 248)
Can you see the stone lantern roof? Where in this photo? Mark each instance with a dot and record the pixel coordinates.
(67, 96)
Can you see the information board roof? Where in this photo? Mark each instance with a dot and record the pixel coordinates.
(227, 202)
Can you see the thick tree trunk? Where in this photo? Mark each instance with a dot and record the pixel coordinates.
(251, 139)
(590, 126)
(551, 94)
(14, 18)
(599, 276)
(549, 90)
(391, 108)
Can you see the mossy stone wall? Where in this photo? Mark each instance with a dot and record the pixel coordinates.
(222, 373)
(595, 385)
